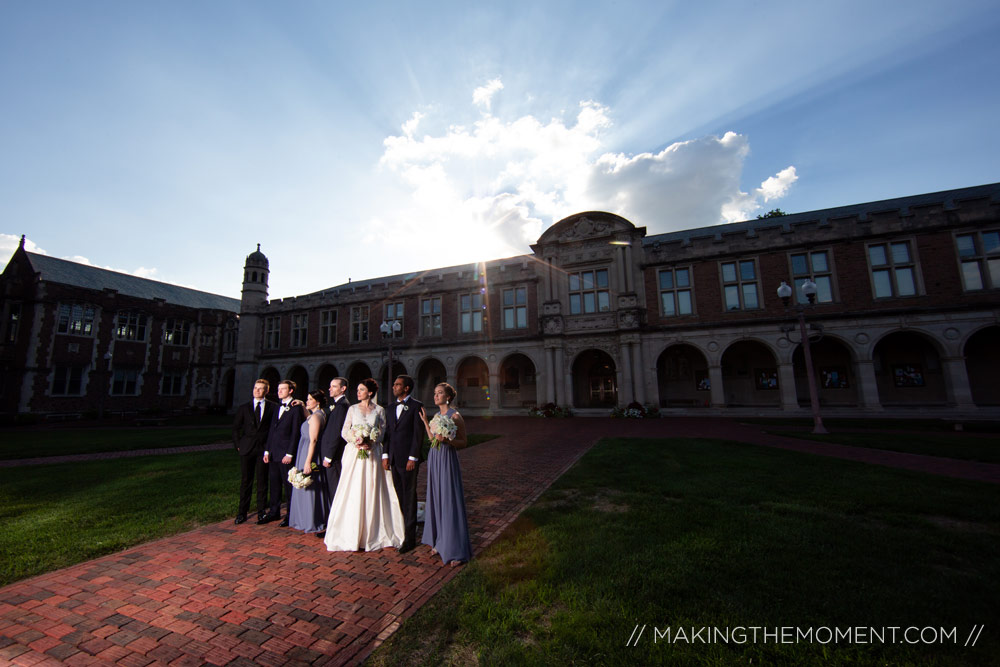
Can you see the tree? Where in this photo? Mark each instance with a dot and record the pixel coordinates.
(773, 213)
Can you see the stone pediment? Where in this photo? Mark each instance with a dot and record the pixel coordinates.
(583, 226)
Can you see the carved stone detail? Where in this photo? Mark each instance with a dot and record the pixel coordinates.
(552, 325)
(602, 321)
(629, 319)
(552, 308)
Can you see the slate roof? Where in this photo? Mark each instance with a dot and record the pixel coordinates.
(947, 197)
(63, 271)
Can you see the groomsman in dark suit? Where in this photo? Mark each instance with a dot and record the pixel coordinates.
(250, 429)
(282, 441)
(404, 434)
(331, 444)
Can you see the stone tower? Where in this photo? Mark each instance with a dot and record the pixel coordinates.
(252, 304)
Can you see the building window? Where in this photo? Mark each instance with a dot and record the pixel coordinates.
(125, 382)
(13, 323)
(68, 381)
(979, 254)
(327, 327)
(893, 270)
(675, 292)
(430, 316)
(272, 333)
(470, 309)
(739, 284)
(130, 325)
(176, 332)
(359, 324)
(76, 319)
(816, 267)
(300, 327)
(515, 308)
(172, 383)
(588, 292)
(229, 339)
(394, 313)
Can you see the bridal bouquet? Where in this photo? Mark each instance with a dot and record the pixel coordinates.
(364, 432)
(298, 480)
(443, 426)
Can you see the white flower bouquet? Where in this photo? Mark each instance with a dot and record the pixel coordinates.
(362, 433)
(443, 426)
(298, 480)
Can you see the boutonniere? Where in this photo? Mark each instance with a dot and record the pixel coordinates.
(405, 407)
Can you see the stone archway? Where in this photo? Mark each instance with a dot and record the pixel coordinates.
(324, 376)
(473, 379)
(300, 377)
(595, 381)
(682, 377)
(834, 369)
(273, 377)
(357, 372)
(430, 373)
(750, 375)
(982, 363)
(517, 382)
(385, 380)
(228, 388)
(908, 370)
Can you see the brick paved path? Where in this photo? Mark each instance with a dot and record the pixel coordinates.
(244, 595)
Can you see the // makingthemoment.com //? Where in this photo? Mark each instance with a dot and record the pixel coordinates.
(891, 634)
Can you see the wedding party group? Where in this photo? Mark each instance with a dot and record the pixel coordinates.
(349, 472)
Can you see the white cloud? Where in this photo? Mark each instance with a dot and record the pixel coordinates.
(483, 96)
(10, 242)
(492, 186)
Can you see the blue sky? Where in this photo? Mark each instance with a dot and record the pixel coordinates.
(167, 139)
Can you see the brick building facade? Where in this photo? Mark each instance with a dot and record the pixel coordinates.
(600, 314)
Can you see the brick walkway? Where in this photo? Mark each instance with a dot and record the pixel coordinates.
(246, 595)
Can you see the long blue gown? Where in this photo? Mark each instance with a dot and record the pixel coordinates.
(309, 507)
(446, 528)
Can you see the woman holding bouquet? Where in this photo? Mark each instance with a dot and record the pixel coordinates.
(446, 529)
(307, 508)
(365, 513)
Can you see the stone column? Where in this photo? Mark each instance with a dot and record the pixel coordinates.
(716, 389)
(786, 386)
(956, 382)
(494, 391)
(625, 394)
(864, 374)
(560, 372)
(639, 378)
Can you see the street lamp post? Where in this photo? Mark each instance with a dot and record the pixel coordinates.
(809, 290)
(389, 331)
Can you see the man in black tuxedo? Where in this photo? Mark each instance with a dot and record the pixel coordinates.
(404, 434)
(250, 429)
(331, 444)
(282, 441)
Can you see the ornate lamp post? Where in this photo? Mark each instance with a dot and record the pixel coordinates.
(389, 331)
(809, 290)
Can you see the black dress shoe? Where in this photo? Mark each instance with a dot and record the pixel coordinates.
(241, 519)
(284, 522)
(266, 519)
(404, 547)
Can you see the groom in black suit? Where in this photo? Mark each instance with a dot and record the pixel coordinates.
(282, 441)
(404, 434)
(250, 429)
(331, 444)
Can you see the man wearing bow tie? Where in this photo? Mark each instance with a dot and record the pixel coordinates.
(331, 444)
(250, 429)
(282, 441)
(404, 434)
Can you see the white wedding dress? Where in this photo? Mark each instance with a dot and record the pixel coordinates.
(365, 514)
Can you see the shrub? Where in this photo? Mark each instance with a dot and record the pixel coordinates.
(549, 410)
(635, 410)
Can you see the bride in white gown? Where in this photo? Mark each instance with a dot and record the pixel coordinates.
(365, 514)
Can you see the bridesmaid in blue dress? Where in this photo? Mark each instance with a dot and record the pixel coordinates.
(308, 507)
(446, 530)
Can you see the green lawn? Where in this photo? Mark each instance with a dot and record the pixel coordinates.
(690, 533)
(58, 515)
(951, 445)
(25, 443)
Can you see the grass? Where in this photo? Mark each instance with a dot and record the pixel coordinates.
(58, 515)
(24, 443)
(955, 446)
(693, 533)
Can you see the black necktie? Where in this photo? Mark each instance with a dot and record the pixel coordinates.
(259, 413)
